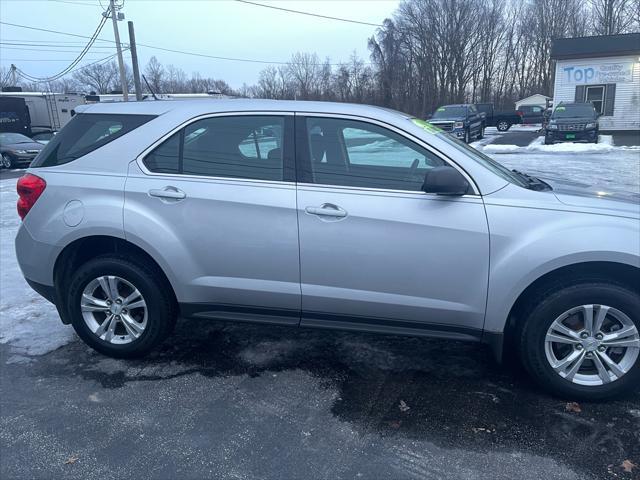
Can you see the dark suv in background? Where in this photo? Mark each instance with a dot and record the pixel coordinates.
(572, 122)
(463, 121)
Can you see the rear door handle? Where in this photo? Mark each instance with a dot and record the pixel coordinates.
(168, 192)
(327, 210)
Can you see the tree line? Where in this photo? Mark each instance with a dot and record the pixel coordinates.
(429, 53)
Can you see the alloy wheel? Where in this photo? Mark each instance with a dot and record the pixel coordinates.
(592, 345)
(5, 161)
(114, 309)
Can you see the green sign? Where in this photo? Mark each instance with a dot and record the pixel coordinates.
(426, 126)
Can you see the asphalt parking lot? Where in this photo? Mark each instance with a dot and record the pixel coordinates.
(245, 401)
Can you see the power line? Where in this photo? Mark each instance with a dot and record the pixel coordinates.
(327, 17)
(45, 48)
(82, 4)
(171, 50)
(42, 59)
(55, 31)
(84, 51)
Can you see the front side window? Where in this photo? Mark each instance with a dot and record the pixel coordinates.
(85, 133)
(248, 147)
(358, 154)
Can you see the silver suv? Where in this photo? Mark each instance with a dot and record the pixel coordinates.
(332, 216)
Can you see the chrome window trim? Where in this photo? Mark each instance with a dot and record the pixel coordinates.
(410, 137)
(140, 158)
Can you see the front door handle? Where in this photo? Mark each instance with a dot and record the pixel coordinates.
(327, 210)
(168, 192)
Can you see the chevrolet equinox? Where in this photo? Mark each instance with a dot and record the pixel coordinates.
(327, 215)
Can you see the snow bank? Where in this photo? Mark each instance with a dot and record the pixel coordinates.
(604, 145)
(28, 323)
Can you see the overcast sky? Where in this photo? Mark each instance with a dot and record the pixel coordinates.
(215, 27)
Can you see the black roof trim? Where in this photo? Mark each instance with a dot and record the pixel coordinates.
(596, 46)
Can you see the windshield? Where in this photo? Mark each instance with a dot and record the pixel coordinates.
(474, 154)
(450, 112)
(8, 138)
(574, 111)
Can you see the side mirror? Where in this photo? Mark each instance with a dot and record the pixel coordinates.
(445, 180)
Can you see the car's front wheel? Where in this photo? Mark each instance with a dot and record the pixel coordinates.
(583, 341)
(120, 306)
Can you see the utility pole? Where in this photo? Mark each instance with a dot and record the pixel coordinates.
(123, 76)
(13, 75)
(134, 61)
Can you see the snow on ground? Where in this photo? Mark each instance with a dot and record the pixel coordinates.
(604, 145)
(597, 164)
(28, 322)
(617, 170)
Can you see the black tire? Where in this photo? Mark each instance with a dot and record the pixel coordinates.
(542, 313)
(547, 141)
(161, 307)
(7, 161)
(481, 133)
(503, 125)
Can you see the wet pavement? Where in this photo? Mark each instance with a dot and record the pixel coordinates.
(249, 402)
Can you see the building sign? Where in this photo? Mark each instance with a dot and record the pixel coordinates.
(602, 73)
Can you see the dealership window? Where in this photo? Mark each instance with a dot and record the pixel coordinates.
(595, 95)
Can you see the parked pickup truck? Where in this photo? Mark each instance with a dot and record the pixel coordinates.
(462, 121)
(501, 120)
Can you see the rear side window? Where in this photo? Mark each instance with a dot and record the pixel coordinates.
(233, 147)
(85, 133)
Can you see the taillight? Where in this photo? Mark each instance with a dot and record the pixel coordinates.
(520, 113)
(29, 187)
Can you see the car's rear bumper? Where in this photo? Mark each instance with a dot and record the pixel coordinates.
(36, 259)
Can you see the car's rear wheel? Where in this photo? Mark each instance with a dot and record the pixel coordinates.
(120, 307)
(503, 125)
(583, 341)
(5, 161)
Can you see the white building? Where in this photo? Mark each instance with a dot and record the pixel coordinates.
(536, 100)
(604, 70)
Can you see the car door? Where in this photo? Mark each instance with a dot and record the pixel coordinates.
(375, 251)
(215, 203)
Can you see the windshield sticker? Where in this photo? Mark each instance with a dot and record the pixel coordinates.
(426, 126)
(560, 109)
(441, 109)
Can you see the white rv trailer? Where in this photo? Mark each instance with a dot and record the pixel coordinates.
(118, 97)
(49, 112)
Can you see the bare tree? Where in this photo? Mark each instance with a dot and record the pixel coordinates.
(611, 17)
(154, 73)
(99, 76)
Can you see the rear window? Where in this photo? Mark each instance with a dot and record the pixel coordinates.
(85, 133)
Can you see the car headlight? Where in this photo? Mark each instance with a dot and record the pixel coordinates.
(458, 125)
(552, 126)
(590, 125)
